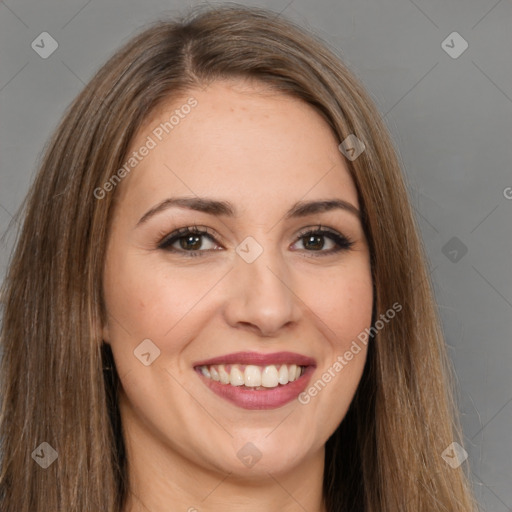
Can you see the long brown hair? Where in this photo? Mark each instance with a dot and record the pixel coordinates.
(386, 454)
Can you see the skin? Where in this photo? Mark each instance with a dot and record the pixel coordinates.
(262, 151)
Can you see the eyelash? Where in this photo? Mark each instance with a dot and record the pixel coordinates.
(343, 243)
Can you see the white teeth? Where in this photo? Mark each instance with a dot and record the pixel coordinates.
(283, 375)
(214, 373)
(269, 377)
(236, 377)
(223, 374)
(253, 376)
(292, 373)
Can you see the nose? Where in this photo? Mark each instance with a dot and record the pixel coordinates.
(260, 296)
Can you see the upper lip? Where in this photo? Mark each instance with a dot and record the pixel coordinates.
(258, 359)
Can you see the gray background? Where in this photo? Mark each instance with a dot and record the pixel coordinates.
(451, 119)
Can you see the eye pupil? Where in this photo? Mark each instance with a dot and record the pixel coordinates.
(195, 242)
(315, 238)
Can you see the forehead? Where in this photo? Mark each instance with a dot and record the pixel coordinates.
(239, 140)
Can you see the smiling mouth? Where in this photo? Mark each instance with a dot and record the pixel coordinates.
(252, 377)
(253, 380)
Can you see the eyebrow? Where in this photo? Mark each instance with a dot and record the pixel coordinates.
(224, 208)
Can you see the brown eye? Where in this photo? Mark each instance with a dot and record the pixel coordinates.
(315, 241)
(189, 239)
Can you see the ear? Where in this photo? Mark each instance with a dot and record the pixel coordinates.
(102, 331)
(105, 335)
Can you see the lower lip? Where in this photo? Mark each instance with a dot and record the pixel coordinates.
(271, 398)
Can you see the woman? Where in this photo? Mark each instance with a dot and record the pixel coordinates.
(219, 299)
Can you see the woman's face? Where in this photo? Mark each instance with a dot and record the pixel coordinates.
(206, 329)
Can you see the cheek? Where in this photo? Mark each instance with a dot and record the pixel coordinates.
(149, 298)
(343, 311)
(344, 304)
